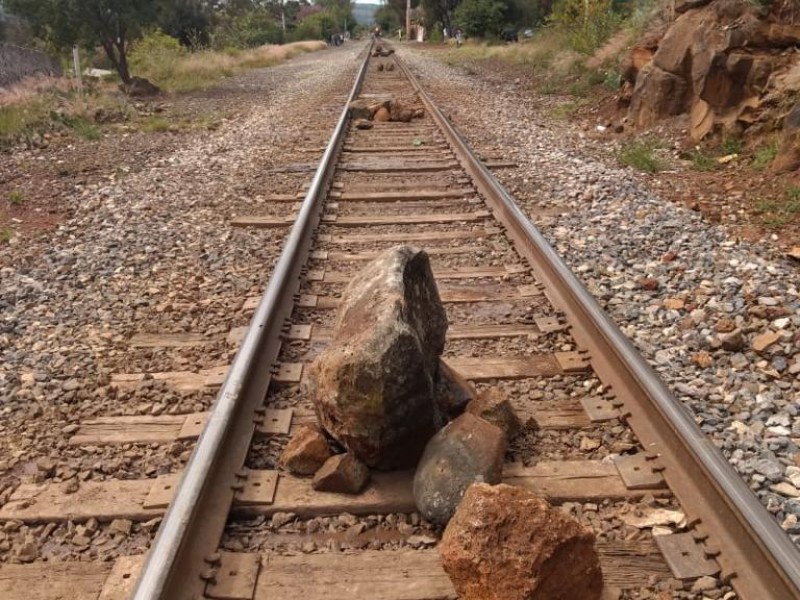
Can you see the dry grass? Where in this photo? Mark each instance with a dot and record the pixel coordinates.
(180, 72)
(31, 88)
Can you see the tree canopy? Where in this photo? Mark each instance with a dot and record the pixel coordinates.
(108, 23)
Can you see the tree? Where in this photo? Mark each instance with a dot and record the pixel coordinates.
(111, 24)
(187, 20)
(480, 17)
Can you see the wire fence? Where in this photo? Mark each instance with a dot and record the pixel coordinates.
(16, 63)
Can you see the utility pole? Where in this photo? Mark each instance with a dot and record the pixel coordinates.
(408, 20)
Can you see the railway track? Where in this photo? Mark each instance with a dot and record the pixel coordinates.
(613, 447)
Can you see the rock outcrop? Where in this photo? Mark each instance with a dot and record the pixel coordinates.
(467, 450)
(506, 543)
(373, 386)
(715, 62)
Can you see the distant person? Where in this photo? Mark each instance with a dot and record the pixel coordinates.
(459, 38)
(400, 33)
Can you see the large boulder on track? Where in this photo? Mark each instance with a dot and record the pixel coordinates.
(507, 543)
(374, 384)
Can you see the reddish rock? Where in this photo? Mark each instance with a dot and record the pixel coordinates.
(373, 385)
(382, 114)
(494, 407)
(306, 452)
(343, 474)
(452, 395)
(648, 283)
(506, 543)
(465, 451)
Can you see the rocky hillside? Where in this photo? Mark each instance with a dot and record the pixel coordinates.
(731, 65)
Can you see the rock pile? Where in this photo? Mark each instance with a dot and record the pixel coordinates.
(382, 51)
(402, 111)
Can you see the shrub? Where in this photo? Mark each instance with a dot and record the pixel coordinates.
(588, 23)
(765, 155)
(156, 56)
(479, 18)
(641, 155)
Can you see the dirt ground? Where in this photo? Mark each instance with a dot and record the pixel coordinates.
(39, 184)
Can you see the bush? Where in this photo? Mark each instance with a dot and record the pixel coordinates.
(479, 18)
(156, 56)
(319, 26)
(588, 23)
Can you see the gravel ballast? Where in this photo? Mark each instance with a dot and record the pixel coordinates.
(718, 319)
(149, 251)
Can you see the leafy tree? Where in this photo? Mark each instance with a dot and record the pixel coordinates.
(479, 18)
(388, 19)
(111, 24)
(589, 23)
(187, 20)
(439, 11)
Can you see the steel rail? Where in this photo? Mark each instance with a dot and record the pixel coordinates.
(756, 555)
(182, 559)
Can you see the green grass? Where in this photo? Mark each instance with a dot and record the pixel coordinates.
(702, 161)
(564, 110)
(776, 213)
(765, 155)
(641, 155)
(16, 198)
(18, 119)
(155, 125)
(731, 145)
(84, 128)
(6, 233)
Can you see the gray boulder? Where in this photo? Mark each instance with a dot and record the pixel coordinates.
(467, 450)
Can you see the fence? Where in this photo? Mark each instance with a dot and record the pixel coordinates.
(17, 63)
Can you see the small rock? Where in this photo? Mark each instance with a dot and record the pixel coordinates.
(343, 474)
(507, 543)
(364, 124)
(785, 489)
(279, 519)
(27, 552)
(704, 584)
(452, 394)
(765, 340)
(702, 359)
(674, 303)
(492, 406)
(121, 526)
(467, 450)
(46, 466)
(733, 341)
(648, 283)
(306, 452)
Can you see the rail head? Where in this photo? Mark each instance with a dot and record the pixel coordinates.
(757, 555)
(174, 566)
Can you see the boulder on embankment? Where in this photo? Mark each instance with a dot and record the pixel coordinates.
(373, 386)
(507, 543)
